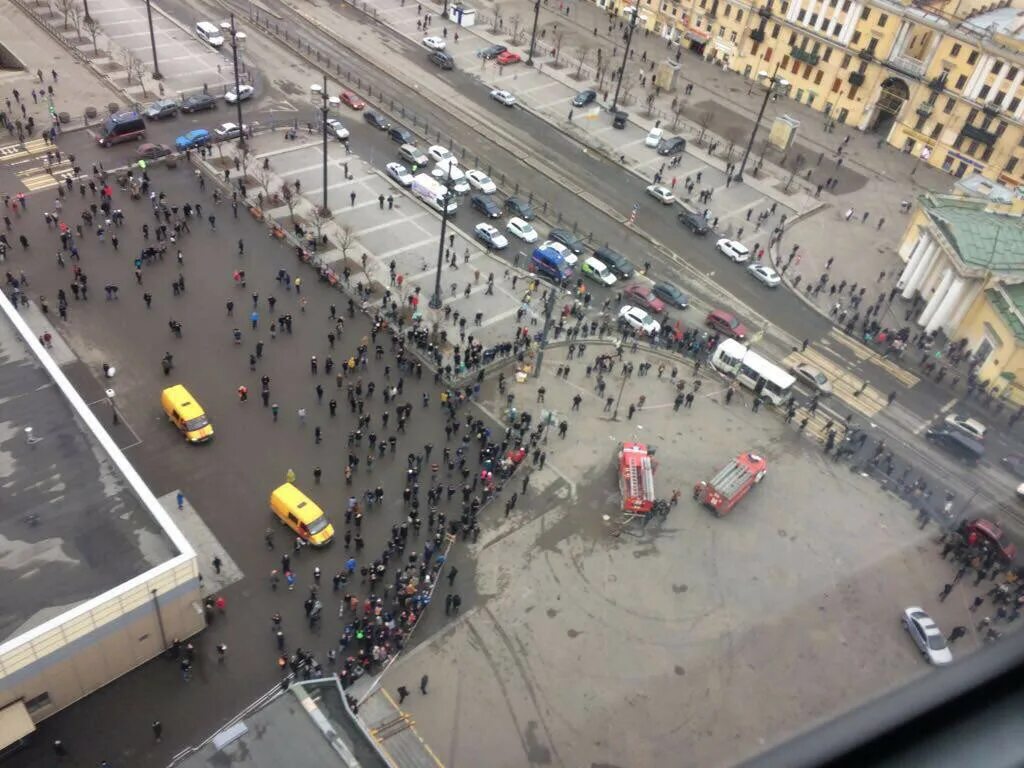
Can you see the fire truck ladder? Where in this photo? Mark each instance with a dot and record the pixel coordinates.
(730, 479)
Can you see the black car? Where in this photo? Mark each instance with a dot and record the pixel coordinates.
(694, 221)
(961, 446)
(492, 52)
(486, 206)
(442, 59)
(583, 98)
(672, 146)
(198, 103)
(671, 295)
(619, 265)
(519, 207)
(568, 239)
(401, 136)
(376, 120)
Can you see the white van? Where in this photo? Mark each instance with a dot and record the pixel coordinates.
(432, 192)
(210, 33)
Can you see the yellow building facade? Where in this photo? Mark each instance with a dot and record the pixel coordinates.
(947, 88)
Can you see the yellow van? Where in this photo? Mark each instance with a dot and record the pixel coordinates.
(301, 514)
(186, 414)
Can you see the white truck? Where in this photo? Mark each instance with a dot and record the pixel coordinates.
(432, 192)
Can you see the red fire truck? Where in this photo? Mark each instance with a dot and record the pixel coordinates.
(722, 492)
(636, 478)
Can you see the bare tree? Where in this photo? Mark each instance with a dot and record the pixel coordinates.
(602, 72)
(557, 37)
(65, 6)
(496, 21)
(264, 179)
(704, 122)
(347, 239)
(798, 163)
(93, 28)
(582, 52)
(76, 21)
(516, 22)
(321, 216)
(677, 112)
(291, 199)
(650, 105)
(626, 92)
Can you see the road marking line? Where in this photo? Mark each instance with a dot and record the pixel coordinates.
(401, 249)
(949, 406)
(866, 353)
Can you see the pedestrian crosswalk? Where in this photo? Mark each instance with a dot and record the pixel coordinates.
(846, 386)
(31, 165)
(849, 345)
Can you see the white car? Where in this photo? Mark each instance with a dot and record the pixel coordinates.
(481, 181)
(654, 137)
(660, 193)
(244, 92)
(973, 428)
(229, 131)
(449, 174)
(568, 256)
(734, 249)
(435, 43)
(491, 236)
(522, 229)
(639, 319)
(439, 154)
(765, 274)
(399, 173)
(504, 97)
(335, 127)
(927, 636)
(597, 271)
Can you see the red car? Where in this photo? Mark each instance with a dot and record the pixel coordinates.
(644, 297)
(347, 97)
(726, 323)
(993, 534)
(508, 57)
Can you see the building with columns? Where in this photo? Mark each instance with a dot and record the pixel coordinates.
(965, 267)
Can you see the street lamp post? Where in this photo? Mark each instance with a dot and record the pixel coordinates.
(85, 3)
(326, 102)
(152, 42)
(549, 307)
(625, 55)
(238, 86)
(533, 37)
(436, 302)
(757, 123)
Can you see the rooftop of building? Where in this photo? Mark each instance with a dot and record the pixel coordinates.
(71, 527)
(976, 185)
(1008, 302)
(983, 239)
(1000, 21)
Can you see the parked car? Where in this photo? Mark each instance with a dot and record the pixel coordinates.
(734, 249)
(153, 151)
(442, 59)
(661, 194)
(654, 137)
(490, 236)
(517, 206)
(198, 103)
(158, 110)
(671, 295)
(486, 206)
(726, 323)
(400, 135)
(764, 274)
(491, 52)
(350, 99)
(639, 319)
(959, 445)
(503, 97)
(644, 297)
(522, 229)
(568, 256)
(226, 131)
(479, 180)
(995, 536)
(597, 272)
(620, 266)
(399, 173)
(435, 43)
(568, 239)
(244, 92)
(926, 636)
(967, 425)
(813, 377)
(412, 155)
(376, 119)
(673, 146)
(694, 221)
(194, 138)
(440, 154)
(336, 129)
(508, 57)
(583, 98)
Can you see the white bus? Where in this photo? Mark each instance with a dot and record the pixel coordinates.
(750, 369)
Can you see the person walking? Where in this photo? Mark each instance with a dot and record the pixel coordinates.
(158, 730)
(452, 573)
(945, 592)
(956, 634)
(423, 684)
(217, 564)
(403, 693)
(976, 604)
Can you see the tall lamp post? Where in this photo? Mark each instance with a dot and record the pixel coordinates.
(235, 43)
(319, 93)
(152, 42)
(549, 307)
(625, 54)
(436, 302)
(533, 36)
(773, 79)
(85, 4)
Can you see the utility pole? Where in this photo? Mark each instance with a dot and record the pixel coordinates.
(436, 302)
(757, 123)
(152, 42)
(625, 55)
(238, 87)
(533, 37)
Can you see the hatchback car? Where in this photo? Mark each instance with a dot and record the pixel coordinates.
(336, 129)
(638, 319)
(654, 137)
(226, 131)
(198, 103)
(479, 180)
(442, 59)
(568, 239)
(673, 146)
(158, 110)
(376, 119)
(734, 249)
(399, 173)
(644, 297)
(583, 98)
(517, 206)
(435, 43)
(244, 92)
(671, 295)
(597, 272)
(764, 274)
(995, 536)
(970, 427)
(491, 51)
(490, 236)
(503, 97)
(507, 57)
(726, 324)
(486, 206)
(661, 194)
(400, 135)
(412, 155)
(152, 151)
(439, 154)
(351, 100)
(522, 229)
(813, 377)
(194, 138)
(926, 636)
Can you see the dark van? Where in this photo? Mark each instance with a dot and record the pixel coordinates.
(961, 446)
(616, 262)
(124, 126)
(549, 263)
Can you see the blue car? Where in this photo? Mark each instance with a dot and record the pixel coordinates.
(192, 139)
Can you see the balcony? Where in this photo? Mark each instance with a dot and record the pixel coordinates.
(990, 108)
(765, 11)
(757, 35)
(805, 56)
(907, 66)
(924, 109)
(938, 83)
(988, 138)
(856, 79)
(866, 55)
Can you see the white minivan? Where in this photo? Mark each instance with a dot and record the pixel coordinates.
(210, 33)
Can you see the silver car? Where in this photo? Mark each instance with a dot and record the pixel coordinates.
(926, 636)
(808, 374)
